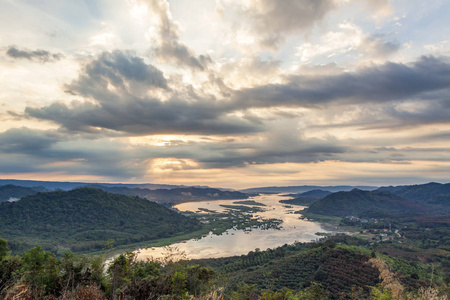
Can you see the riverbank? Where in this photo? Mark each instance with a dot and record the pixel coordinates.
(270, 226)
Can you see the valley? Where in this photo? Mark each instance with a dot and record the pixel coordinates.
(389, 242)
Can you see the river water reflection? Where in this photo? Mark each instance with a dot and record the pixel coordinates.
(238, 242)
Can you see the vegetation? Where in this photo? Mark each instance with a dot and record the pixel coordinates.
(422, 193)
(242, 208)
(412, 239)
(16, 192)
(339, 267)
(39, 274)
(393, 252)
(357, 201)
(86, 219)
(296, 267)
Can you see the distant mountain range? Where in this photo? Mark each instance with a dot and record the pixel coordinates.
(422, 193)
(168, 197)
(176, 195)
(306, 198)
(305, 188)
(66, 186)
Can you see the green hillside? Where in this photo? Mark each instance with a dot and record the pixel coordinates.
(85, 219)
(16, 192)
(339, 271)
(357, 201)
(433, 193)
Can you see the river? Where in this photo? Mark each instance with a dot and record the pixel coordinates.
(238, 242)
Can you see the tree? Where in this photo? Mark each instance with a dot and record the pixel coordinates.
(4, 250)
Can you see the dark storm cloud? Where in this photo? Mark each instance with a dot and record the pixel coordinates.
(388, 82)
(42, 56)
(271, 20)
(117, 86)
(118, 89)
(144, 116)
(24, 140)
(122, 70)
(433, 113)
(28, 150)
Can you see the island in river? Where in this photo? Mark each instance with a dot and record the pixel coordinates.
(236, 240)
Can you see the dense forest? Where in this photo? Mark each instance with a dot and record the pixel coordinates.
(11, 192)
(85, 219)
(341, 267)
(357, 201)
(430, 193)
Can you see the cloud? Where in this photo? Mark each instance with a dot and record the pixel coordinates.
(348, 39)
(26, 150)
(271, 20)
(375, 84)
(169, 48)
(123, 71)
(374, 46)
(120, 96)
(41, 56)
(25, 140)
(249, 72)
(379, 9)
(119, 92)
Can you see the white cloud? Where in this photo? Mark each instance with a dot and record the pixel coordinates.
(349, 38)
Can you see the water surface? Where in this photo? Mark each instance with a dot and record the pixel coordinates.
(238, 242)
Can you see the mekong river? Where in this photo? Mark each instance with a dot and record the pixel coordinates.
(238, 242)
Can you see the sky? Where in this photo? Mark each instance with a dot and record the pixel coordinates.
(225, 93)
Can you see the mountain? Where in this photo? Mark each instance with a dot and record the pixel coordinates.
(314, 194)
(85, 219)
(423, 193)
(66, 186)
(306, 198)
(176, 195)
(357, 201)
(304, 188)
(11, 192)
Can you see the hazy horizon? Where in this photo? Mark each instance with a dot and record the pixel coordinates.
(224, 187)
(226, 93)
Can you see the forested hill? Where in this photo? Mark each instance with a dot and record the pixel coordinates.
(85, 219)
(357, 201)
(13, 192)
(307, 198)
(176, 195)
(431, 193)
